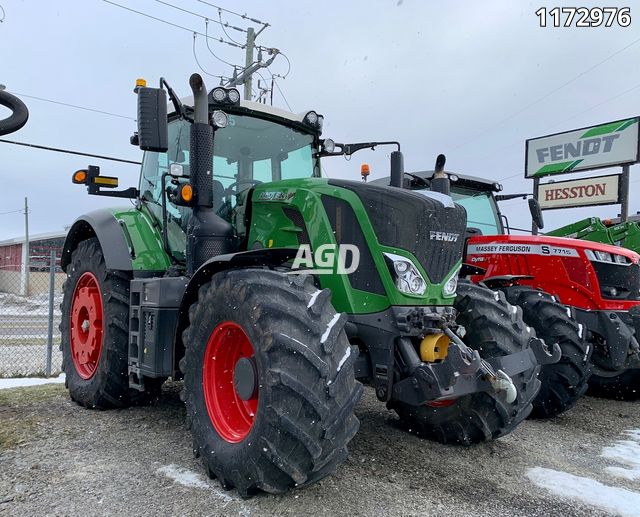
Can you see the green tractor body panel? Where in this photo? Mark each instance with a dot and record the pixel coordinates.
(302, 200)
(589, 229)
(144, 237)
(625, 234)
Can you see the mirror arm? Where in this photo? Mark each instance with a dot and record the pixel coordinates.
(349, 149)
(506, 197)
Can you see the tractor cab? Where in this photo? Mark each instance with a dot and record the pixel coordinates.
(253, 144)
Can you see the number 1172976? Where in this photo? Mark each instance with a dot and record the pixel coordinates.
(584, 16)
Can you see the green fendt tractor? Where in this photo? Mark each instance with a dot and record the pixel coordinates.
(232, 271)
(619, 233)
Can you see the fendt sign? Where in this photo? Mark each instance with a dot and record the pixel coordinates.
(605, 145)
(601, 190)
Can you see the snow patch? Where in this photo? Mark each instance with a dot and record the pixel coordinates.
(626, 452)
(183, 476)
(313, 299)
(20, 382)
(333, 321)
(586, 490)
(188, 478)
(344, 358)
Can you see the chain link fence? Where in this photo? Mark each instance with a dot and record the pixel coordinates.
(29, 318)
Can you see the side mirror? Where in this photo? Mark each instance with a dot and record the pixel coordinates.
(397, 169)
(536, 213)
(153, 130)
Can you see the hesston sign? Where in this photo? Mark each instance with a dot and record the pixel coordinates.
(601, 190)
(605, 145)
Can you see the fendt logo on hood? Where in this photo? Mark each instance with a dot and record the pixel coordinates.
(444, 236)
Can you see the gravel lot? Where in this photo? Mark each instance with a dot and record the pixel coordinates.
(59, 459)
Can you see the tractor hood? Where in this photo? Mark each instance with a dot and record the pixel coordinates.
(431, 227)
(532, 244)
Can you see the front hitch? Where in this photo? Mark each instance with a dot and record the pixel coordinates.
(464, 372)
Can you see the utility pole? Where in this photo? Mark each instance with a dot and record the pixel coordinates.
(251, 39)
(624, 193)
(25, 252)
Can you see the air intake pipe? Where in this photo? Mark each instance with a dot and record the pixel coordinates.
(208, 235)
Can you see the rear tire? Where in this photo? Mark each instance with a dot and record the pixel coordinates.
(295, 426)
(564, 382)
(493, 328)
(624, 386)
(99, 378)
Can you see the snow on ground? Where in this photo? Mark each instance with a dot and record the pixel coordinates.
(193, 479)
(184, 477)
(626, 452)
(586, 490)
(619, 501)
(29, 381)
(13, 304)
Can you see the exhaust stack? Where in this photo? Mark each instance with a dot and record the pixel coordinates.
(440, 181)
(208, 235)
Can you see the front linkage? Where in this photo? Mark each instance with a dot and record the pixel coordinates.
(464, 372)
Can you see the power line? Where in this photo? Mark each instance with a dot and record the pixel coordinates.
(243, 16)
(195, 56)
(239, 29)
(12, 211)
(570, 118)
(546, 96)
(206, 31)
(74, 106)
(227, 25)
(279, 89)
(68, 151)
(230, 43)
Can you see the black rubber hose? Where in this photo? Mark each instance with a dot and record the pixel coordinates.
(18, 117)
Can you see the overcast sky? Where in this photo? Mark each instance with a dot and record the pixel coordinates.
(439, 77)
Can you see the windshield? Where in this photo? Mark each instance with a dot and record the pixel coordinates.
(481, 209)
(254, 149)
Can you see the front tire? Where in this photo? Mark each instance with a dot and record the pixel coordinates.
(269, 381)
(624, 386)
(564, 382)
(494, 328)
(95, 332)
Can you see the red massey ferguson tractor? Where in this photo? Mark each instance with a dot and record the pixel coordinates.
(583, 295)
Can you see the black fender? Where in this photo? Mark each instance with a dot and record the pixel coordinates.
(102, 224)
(19, 113)
(260, 258)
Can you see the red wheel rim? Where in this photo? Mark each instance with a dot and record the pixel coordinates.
(441, 403)
(86, 326)
(231, 416)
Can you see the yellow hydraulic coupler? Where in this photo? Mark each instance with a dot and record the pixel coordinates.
(434, 347)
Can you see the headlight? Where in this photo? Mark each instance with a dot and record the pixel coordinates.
(311, 118)
(234, 95)
(219, 94)
(220, 119)
(328, 145)
(406, 275)
(605, 256)
(450, 286)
